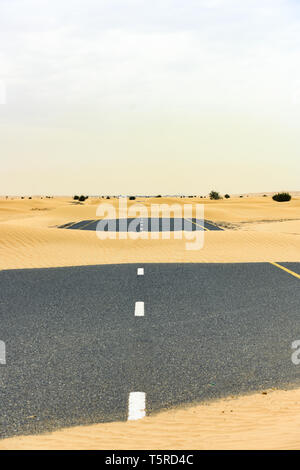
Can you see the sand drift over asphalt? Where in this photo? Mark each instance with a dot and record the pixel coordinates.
(266, 420)
(30, 237)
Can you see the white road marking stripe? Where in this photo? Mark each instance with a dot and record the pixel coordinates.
(140, 272)
(139, 309)
(136, 406)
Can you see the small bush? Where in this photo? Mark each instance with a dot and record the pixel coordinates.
(82, 198)
(214, 195)
(131, 198)
(227, 196)
(282, 197)
(76, 198)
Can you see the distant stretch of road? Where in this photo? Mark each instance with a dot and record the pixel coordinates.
(80, 340)
(141, 224)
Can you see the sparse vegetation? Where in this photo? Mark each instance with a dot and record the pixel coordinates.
(81, 198)
(282, 197)
(215, 195)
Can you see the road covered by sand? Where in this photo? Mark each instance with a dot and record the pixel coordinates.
(267, 420)
(256, 229)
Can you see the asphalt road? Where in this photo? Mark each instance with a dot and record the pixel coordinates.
(141, 224)
(75, 349)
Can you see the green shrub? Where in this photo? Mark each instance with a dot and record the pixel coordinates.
(282, 197)
(131, 198)
(214, 195)
(82, 198)
(76, 198)
(227, 196)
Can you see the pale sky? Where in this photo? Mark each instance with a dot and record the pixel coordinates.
(149, 96)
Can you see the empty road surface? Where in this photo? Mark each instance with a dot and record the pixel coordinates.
(143, 224)
(84, 344)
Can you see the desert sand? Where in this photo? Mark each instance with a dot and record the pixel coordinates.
(256, 229)
(267, 420)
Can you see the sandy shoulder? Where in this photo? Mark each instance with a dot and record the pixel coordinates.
(258, 421)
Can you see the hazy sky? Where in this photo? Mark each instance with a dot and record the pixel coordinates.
(149, 96)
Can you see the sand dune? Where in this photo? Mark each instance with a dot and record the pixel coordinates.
(24, 247)
(29, 237)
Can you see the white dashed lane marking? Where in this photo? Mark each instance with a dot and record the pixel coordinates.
(137, 400)
(139, 309)
(136, 406)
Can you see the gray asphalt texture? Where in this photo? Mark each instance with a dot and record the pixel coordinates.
(139, 224)
(75, 350)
